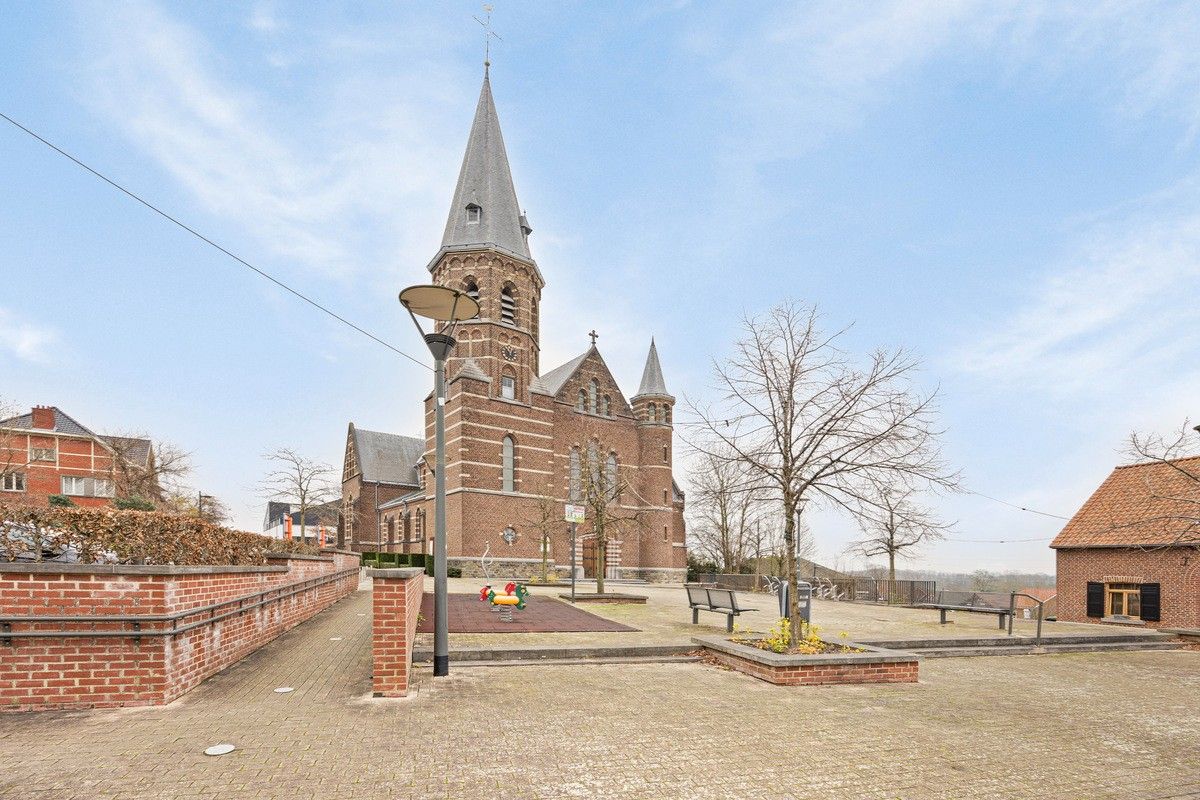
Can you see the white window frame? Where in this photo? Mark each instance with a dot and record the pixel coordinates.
(13, 482)
(86, 486)
(508, 387)
(39, 453)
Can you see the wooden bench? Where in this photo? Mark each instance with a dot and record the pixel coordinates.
(1000, 613)
(720, 601)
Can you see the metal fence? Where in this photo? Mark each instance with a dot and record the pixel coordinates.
(952, 597)
(865, 590)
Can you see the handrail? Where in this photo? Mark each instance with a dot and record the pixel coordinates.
(244, 603)
(1041, 604)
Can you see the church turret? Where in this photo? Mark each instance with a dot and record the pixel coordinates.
(485, 252)
(653, 404)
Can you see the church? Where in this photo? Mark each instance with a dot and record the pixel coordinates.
(521, 442)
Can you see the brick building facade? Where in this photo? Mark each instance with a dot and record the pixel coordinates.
(519, 439)
(46, 452)
(1131, 554)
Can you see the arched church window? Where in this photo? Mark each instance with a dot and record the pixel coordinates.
(593, 466)
(606, 406)
(581, 401)
(508, 386)
(474, 214)
(508, 306)
(666, 414)
(652, 412)
(610, 477)
(593, 388)
(472, 289)
(507, 458)
(575, 477)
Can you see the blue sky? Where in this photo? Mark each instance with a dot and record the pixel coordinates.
(1009, 190)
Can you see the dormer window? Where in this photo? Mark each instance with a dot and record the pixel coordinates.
(474, 214)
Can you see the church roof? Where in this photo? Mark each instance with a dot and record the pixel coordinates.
(388, 457)
(485, 181)
(552, 382)
(652, 377)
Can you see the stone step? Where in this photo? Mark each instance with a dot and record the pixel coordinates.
(548, 654)
(568, 662)
(1029, 649)
(1018, 641)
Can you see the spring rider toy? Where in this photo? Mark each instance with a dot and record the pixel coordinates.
(513, 598)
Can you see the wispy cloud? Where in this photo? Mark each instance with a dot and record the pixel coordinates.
(1118, 316)
(300, 179)
(25, 340)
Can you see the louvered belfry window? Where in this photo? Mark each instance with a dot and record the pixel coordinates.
(508, 307)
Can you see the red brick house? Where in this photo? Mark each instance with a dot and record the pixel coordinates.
(46, 452)
(519, 438)
(1131, 554)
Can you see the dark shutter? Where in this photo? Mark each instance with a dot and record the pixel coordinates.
(1095, 599)
(1151, 602)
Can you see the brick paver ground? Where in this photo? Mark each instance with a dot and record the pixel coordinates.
(1120, 725)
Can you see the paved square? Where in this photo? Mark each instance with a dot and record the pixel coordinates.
(1119, 725)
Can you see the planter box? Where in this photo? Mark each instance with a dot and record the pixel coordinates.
(607, 597)
(872, 665)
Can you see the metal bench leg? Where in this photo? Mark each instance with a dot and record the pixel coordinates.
(1001, 618)
(695, 616)
(729, 623)
(942, 614)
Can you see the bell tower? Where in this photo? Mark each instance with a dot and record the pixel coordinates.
(485, 252)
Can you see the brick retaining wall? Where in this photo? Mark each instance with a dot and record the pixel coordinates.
(869, 664)
(395, 606)
(76, 671)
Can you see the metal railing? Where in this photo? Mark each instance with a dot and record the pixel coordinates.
(1041, 607)
(233, 607)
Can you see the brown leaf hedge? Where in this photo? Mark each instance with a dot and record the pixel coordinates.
(111, 536)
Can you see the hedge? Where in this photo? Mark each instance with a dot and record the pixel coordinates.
(113, 536)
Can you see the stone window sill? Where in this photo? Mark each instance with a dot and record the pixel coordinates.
(1123, 621)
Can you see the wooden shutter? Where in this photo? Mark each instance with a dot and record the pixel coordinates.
(1151, 602)
(1095, 599)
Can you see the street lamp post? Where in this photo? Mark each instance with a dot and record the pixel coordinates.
(449, 307)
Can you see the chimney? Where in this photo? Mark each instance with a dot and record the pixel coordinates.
(43, 417)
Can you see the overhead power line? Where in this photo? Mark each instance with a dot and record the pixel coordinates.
(999, 541)
(210, 242)
(1014, 505)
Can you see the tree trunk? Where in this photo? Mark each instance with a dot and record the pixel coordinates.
(789, 567)
(601, 562)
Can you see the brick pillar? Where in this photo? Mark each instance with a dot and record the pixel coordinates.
(395, 604)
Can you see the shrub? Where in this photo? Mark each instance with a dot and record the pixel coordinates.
(115, 536)
(61, 500)
(133, 504)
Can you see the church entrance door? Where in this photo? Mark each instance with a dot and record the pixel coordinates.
(589, 558)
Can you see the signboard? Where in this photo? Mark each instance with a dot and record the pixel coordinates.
(575, 513)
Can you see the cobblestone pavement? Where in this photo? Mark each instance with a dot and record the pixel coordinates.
(1120, 725)
(666, 619)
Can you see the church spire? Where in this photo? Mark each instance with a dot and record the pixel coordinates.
(485, 212)
(652, 377)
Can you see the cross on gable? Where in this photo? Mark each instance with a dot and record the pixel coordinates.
(592, 333)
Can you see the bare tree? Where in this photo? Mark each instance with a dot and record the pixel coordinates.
(8, 445)
(1173, 516)
(894, 525)
(183, 500)
(613, 506)
(145, 469)
(811, 424)
(298, 480)
(545, 517)
(726, 508)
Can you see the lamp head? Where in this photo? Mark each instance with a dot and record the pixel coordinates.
(440, 303)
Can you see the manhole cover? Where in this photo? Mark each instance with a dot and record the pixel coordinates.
(284, 690)
(219, 750)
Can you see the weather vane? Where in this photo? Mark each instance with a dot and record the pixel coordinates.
(488, 34)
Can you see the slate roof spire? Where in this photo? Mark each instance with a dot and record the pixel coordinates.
(652, 377)
(485, 211)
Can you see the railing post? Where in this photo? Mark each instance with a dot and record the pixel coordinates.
(1012, 610)
(1041, 608)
